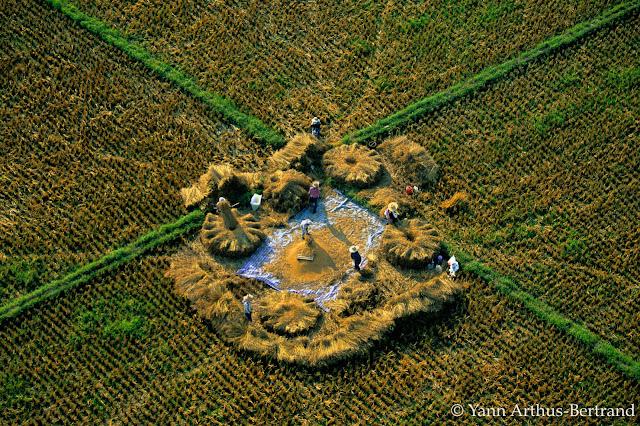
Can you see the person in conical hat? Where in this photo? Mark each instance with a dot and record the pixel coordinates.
(391, 213)
(355, 255)
(454, 266)
(246, 302)
(314, 194)
(315, 126)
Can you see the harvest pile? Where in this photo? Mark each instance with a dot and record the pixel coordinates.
(288, 327)
(93, 148)
(548, 159)
(347, 62)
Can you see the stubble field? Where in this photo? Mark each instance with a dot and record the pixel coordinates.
(96, 148)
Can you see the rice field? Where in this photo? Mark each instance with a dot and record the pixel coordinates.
(347, 62)
(547, 158)
(96, 147)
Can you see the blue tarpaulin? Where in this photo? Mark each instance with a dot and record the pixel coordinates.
(356, 225)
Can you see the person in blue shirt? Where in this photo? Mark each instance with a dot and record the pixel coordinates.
(356, 257)
(246, 301)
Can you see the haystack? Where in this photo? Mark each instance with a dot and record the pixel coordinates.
(411, 160)
(220, 180)
(383, 196)
(287, 192)
(354, 165)
(299, 153)
(412, 244)
(424, 297)
(229, 235)
(286, 313)
(459, 201)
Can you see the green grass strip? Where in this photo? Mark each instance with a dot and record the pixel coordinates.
(420, 108)
(623, 362)
(224, 107)
(108, 262)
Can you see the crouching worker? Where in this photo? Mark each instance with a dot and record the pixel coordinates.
(356, 257)
(304, 226)
(391, 213)
(454, 266)
(246, 301)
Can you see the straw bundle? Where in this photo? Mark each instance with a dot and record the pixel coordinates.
(411, 244)
(411, 160)
(287, 192)
(299, 153)
(353, 165)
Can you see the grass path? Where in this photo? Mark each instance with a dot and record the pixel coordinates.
(420, 108)
(106, 263)
(224, 107)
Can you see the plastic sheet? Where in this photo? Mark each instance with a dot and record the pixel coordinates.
(349, 222)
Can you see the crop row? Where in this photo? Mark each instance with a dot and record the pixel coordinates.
(548, 157)
(126, 348)
(349, 63)
(94, 148)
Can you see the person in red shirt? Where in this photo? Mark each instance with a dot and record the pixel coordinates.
(314, 193)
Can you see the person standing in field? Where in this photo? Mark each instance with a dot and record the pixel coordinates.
(454, 266)
(355, 255)
(246, 301)
(391, 213)
(315, 126)
(304, 226)
(314, 194)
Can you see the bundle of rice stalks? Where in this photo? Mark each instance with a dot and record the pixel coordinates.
(221, 180)
(459, 201)
(356, 296)
(353, 165)
(229, 317)
(411, 160)
(288, 314)
(287, 192)
(383, 196)
(203, 281)
(299, 153)
(412, 244)
(259, 340)
(356, 335)
(229, 235)
(425, 297)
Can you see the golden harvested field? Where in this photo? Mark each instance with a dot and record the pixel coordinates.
(94, 147)
(126, 349)
(347, 62)
(550, 160)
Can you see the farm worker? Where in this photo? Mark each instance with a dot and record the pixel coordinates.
(391, 213)
(304, 226)
(454, 266)
(315, 126)
(220, 201)
(356, 257)
(246, 301)
(409, 189)
(314, 193)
